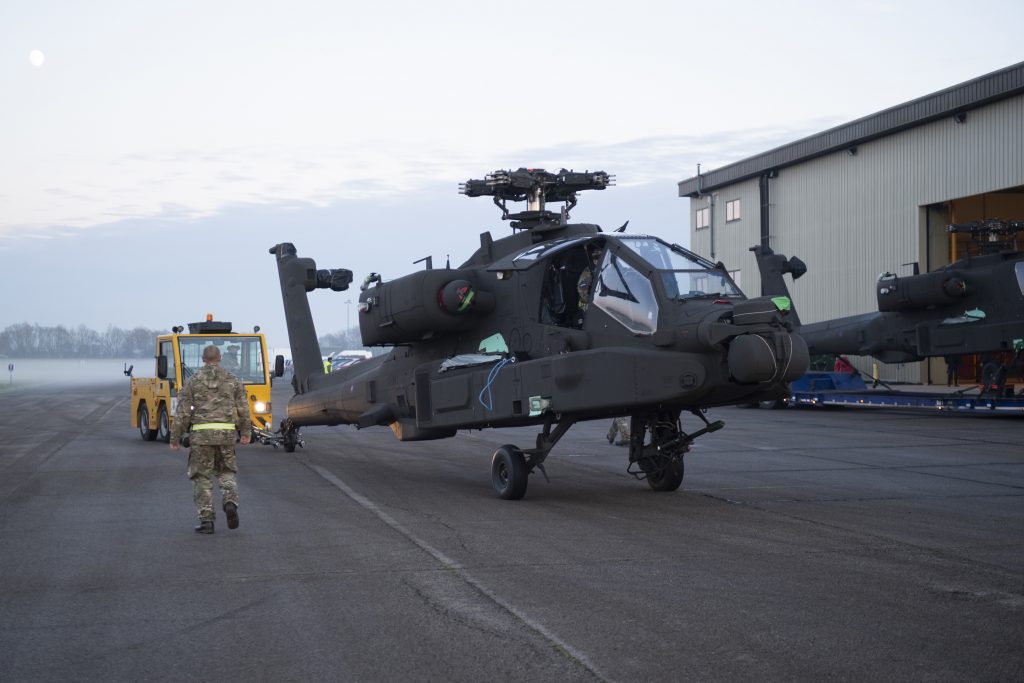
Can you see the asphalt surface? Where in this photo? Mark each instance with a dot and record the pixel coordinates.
(804, 545)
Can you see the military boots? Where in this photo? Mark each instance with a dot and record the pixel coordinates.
(231, 510)
(205, 527)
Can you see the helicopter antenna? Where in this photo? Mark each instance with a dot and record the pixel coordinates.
(536, 187)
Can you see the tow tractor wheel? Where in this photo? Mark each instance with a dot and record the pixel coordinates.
(509, 473)
(163, 425)
(144, 430)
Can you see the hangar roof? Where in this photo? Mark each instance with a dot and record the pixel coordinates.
(954, 101)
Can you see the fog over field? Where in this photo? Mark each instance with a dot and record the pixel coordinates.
(29, 372)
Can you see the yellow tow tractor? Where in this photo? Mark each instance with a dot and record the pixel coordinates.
(179, 355)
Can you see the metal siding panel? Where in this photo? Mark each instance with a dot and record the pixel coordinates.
(732, 240)
(982, 91)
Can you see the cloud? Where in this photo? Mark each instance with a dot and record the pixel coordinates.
(174, 267)
(191, 183)
(171, 262)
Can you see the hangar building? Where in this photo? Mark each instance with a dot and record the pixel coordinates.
(870, 196)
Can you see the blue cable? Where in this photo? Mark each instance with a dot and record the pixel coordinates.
(491, 376)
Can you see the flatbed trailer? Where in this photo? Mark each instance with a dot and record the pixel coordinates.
(817, 389)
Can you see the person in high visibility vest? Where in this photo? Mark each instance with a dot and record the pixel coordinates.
(213, 408)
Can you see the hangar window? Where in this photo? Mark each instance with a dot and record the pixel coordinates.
(732, 210)
(703, 218)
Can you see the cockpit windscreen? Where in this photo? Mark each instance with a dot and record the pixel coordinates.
(684, 275)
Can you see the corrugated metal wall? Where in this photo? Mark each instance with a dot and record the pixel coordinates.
(853, 216)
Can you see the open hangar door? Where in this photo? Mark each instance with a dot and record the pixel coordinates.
(943, 247)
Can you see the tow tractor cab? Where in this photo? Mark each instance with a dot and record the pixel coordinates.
(179, 355)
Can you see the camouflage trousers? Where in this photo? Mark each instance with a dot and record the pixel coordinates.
(203, 463)
(620, 425)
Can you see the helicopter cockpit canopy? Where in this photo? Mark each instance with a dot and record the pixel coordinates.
(528, 258)
(631, 274)
(683, 274)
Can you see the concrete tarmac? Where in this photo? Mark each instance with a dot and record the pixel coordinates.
(805, 544)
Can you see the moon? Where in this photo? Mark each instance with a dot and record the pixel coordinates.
(36, 57)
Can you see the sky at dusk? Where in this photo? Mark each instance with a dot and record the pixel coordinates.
(154, 152)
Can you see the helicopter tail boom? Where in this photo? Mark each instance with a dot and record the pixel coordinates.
(299, 276)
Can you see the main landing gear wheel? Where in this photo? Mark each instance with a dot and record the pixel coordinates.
(163, 425)
(660, 461)
(509, 473)
(666, 476)
(144, 430)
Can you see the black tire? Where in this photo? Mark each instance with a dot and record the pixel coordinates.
(773, 404)
(145, 432)
(509, 473)
(993, 377)
(289, 442)
(667, 479)
(163, 425)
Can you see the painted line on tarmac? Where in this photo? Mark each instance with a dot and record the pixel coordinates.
(453, 566)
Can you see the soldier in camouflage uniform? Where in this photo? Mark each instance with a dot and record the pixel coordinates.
(621, 426)
(586, 280)
(212, 406)
(585, 283)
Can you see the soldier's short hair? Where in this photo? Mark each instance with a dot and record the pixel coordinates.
(211, 352)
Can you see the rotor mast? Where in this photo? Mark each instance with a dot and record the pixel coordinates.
(536, 187)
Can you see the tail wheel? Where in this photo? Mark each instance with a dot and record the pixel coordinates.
(289, 436)
(509, 473)
(144, 430)
(163, 425)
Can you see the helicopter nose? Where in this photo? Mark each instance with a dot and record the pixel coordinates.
(756, 358)
(751, 359)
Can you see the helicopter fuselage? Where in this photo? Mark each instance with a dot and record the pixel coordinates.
(675, 334)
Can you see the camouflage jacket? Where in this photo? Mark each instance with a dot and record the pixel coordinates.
(583, 287)
(212, 395)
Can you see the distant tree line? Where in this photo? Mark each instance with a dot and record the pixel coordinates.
(341, 340)
(35, 341)
(345, 340)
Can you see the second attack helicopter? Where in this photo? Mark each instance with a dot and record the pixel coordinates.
(555, 324)
(974, 305)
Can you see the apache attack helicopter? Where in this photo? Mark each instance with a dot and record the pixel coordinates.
(975, 305)
(515, 337)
